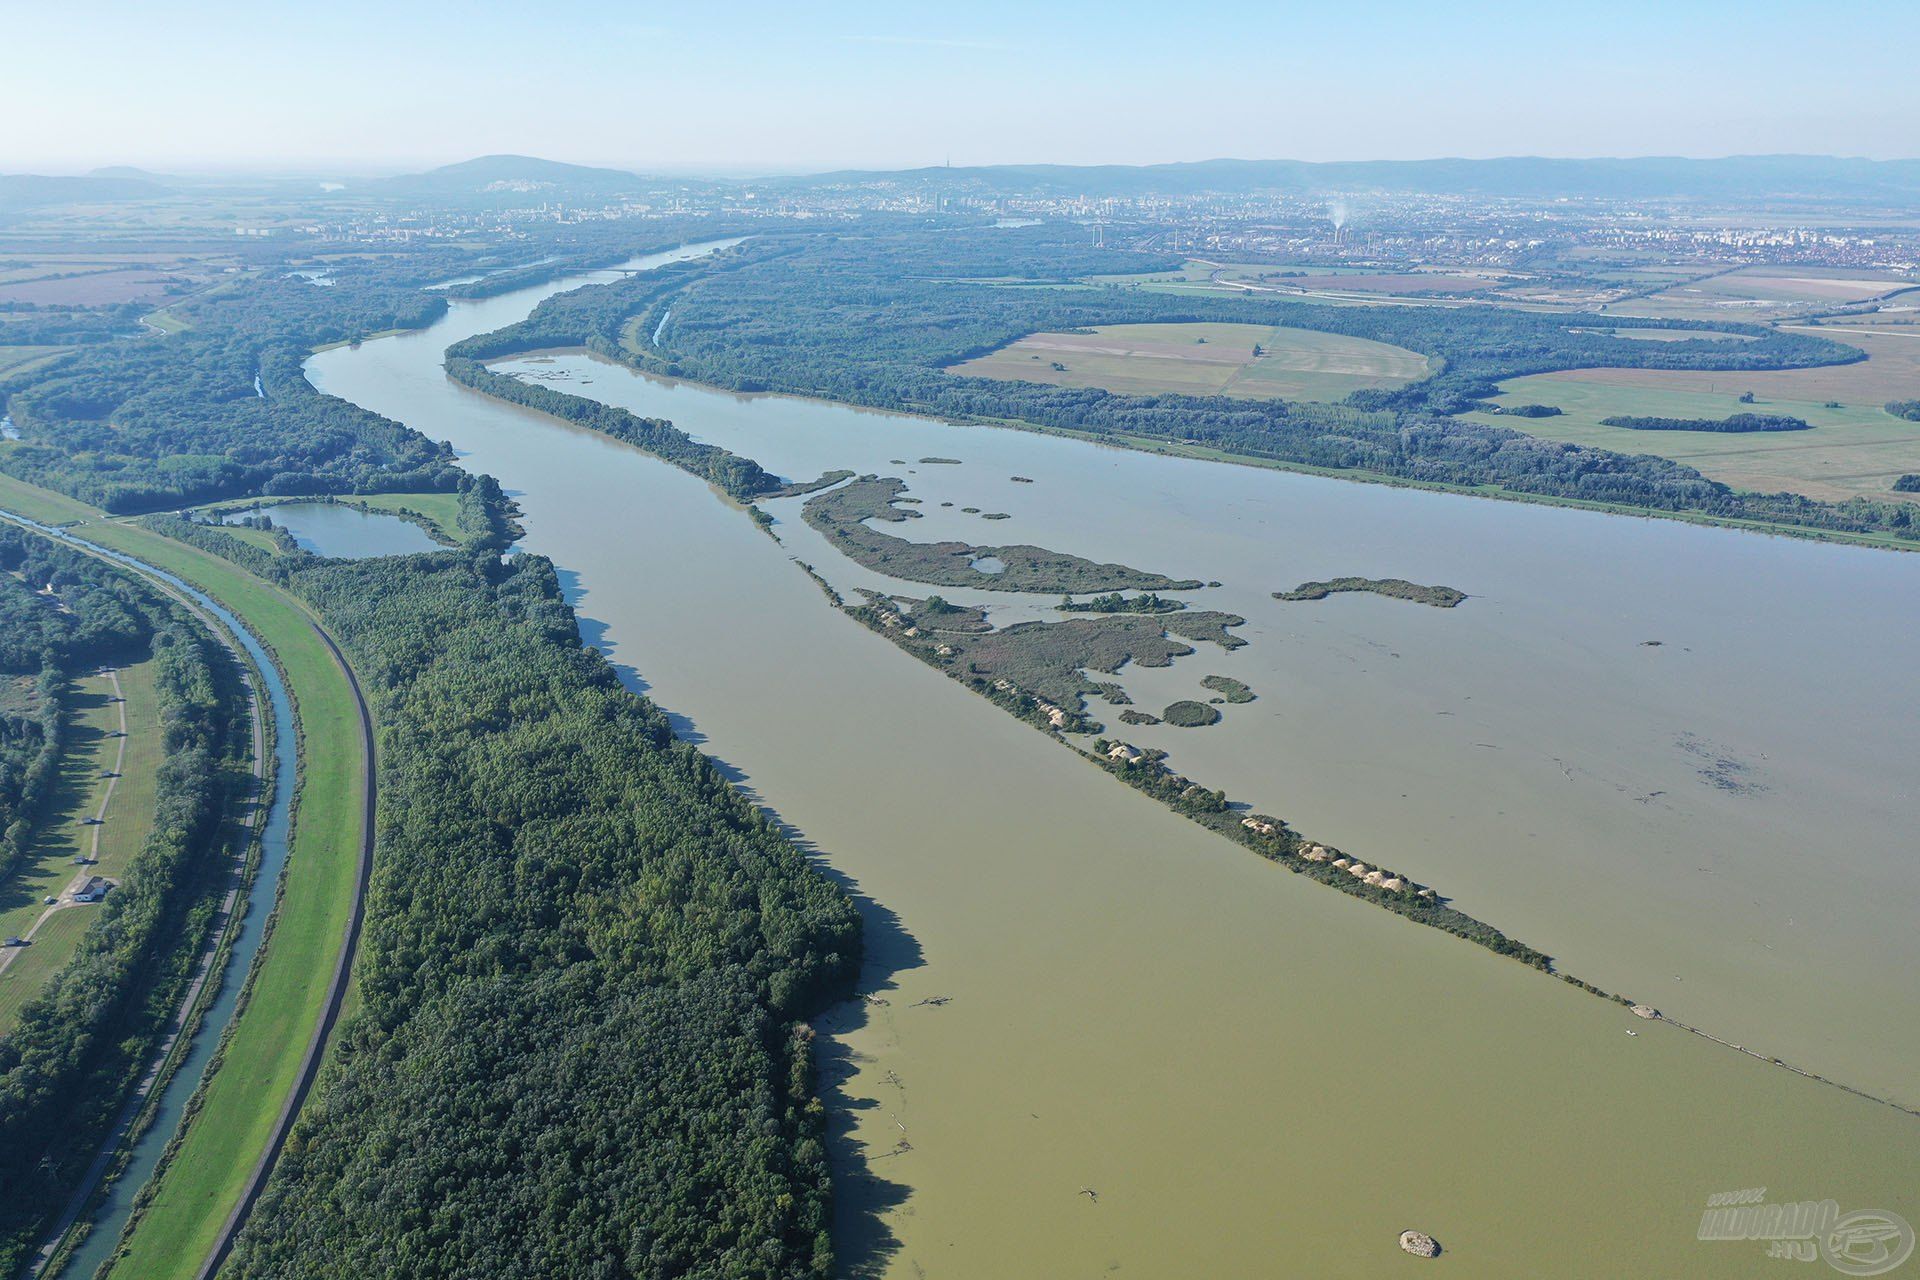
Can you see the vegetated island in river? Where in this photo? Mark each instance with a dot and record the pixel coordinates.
(1114, 602)
(1189, 714)
(1228, 688)
(1393, 588)
(1037, 671)
(1739, 422)
(841, 513)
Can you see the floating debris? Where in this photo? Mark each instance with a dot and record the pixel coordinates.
(935, 1001)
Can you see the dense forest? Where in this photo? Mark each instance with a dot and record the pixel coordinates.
(878, 319)
(80, 1044)
(26, 324)
(223, 409)
(585, 959)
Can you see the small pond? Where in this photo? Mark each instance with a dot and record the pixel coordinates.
(342, 532)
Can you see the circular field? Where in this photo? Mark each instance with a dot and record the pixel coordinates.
(1249, 361)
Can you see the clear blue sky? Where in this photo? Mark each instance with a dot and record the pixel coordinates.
(746, 85)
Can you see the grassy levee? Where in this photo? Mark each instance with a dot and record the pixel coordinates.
(235, 1113)
(63, 835)
(40, 504)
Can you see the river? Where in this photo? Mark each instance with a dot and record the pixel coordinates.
(1161, 1055)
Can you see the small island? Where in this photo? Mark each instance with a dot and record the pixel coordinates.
(1188, 714)
(1392, 588)
(1228, 688)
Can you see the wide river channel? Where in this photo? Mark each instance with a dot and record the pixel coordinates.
(1161, 1056)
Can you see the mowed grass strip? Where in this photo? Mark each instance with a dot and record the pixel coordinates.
(1205, 360)
(242, 1101)
(49, 867)
(40, 504)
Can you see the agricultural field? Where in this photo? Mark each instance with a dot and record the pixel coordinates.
(13, 359)
(1857, 450)
(89, 288)
(1319, 281)
(93, 751)
(1204, 360)
(1762, 293)
(1394, 283)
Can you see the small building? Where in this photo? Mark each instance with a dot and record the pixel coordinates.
(93, 890)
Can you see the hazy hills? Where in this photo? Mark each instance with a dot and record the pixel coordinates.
(1529, 177)
(516, 178)
(1650, 177)
(508, 173)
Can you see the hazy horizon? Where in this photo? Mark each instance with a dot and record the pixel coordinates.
(386, 90)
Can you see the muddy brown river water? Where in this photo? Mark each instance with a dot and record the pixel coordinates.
(1158, 1055)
